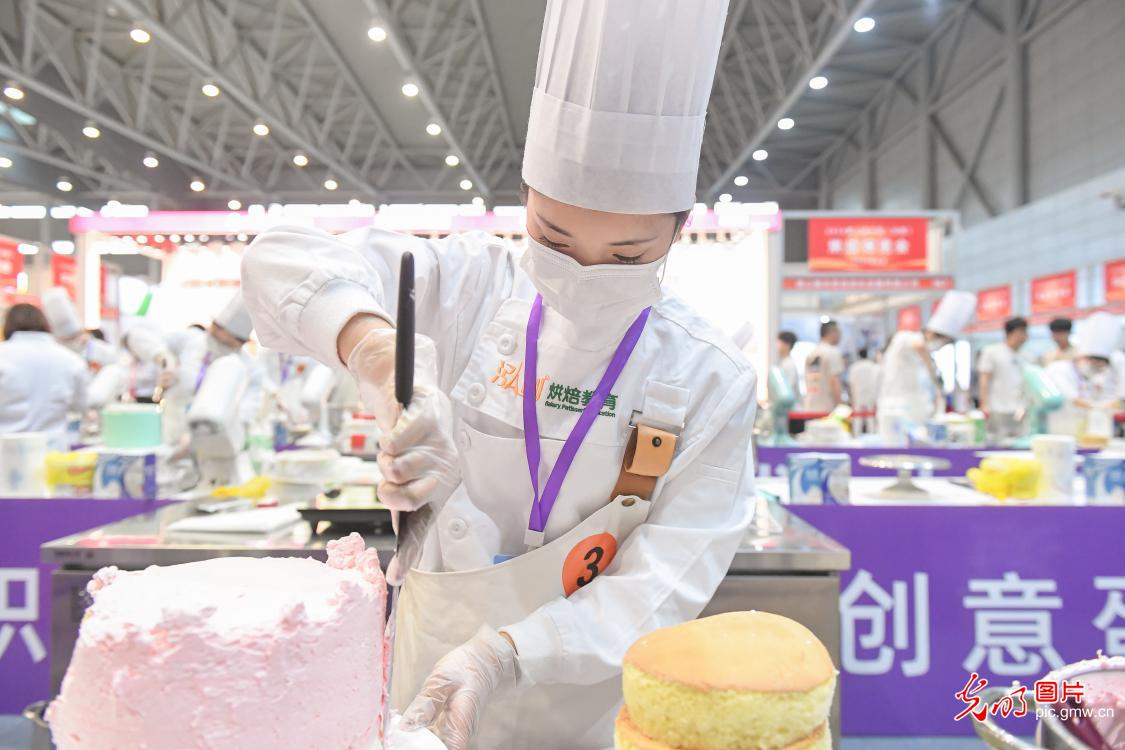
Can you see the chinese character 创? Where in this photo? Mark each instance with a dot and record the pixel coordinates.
(1113, 611)
(1012, 625)
(25, 614)
(895, 605)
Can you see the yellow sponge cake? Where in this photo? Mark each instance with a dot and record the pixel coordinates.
(736, 681)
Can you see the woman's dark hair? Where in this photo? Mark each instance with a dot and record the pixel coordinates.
(25, 317)
(680, 216)
(788, 337)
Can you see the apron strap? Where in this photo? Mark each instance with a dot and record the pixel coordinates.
(648, 455)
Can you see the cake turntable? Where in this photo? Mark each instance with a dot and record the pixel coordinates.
(905, 465)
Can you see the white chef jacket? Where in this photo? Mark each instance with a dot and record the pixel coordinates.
(1069, 419)
(863, 382)
(302, 286)
(1005, 392)
(823, 363)
(906, 387)
(41, 382)
(191, 351)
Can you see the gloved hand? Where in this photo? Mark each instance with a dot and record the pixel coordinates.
(459, 687)
(416, 452)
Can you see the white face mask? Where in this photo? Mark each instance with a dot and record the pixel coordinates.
(591, 295)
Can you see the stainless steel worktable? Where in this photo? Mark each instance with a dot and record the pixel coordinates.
(783, 566)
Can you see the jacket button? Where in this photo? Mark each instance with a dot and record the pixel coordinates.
(475, 393)
(463, 440)
(506, 344)
(457, 528)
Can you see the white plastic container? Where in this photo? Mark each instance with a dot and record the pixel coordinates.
(23, 465)
(1055, 454)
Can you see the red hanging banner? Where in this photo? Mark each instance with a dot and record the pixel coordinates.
(64, 273)
(1055, 292)
(876, 244)
(994, 303)
(909, 319)
(1115, 281)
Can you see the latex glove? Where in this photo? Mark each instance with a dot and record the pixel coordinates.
(459, 687)
(168, 377)
(417, 456)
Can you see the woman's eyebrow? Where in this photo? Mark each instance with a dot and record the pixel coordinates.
(558, 229)
(624, 243)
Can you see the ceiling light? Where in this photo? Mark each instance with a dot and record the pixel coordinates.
(197, 185)
(142, 239)
(452, 160)
(377, 33)
(204, 238)
(786, 123)
(234, 204)
(174, 238)
(13, 92)
(150, 160)
(433, 129)
(90, 130)
(189, 238)
(209, 89)
(741, 181)
(5, 162)
(466, 184)
(300, 159)
(725, 198)
(242, 236)
(760, 155)
(64, 185)
(478, 201)
(28, 248)
(158, 238)
(863, 25)
(62, 247)
(330, 184)
(818, 82)
(139, 35)
(409, 89)
(260, 128)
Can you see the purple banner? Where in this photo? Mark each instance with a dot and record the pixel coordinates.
(25, 585)
(771, 459)
(937, 593)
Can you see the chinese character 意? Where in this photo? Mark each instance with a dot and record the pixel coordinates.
(865, 602)
(25, 614)
(1113, 611)
(1012, 625)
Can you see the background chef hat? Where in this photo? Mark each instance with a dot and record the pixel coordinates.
(62, 315)
(1097, 336)
(144, 340)
(235, 318)
(620, 97)
(101, 353)
(954, 312)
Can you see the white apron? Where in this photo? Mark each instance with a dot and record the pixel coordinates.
(439, 611)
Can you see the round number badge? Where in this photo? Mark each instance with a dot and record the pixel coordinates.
(586, 560)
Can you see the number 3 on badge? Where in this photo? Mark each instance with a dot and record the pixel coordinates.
(586, 560)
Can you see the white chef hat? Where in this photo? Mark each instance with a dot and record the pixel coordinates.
(1097, 335)
(144, 340)
(955, 310)
(61, 313)
(620, 97)
(235, 318)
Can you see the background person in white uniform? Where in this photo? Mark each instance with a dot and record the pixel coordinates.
(786, 340)
(41, 381)
(1001, 381)
(908, 393)
(863, 388)
(603, 207)
(1060, 329)
(1089, 382)
(824, 369)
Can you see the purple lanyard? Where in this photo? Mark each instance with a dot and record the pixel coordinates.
(286, 360)
(542, 504)
(202, 371)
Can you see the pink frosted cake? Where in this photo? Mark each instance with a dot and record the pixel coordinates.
(230, 654)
